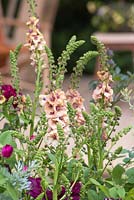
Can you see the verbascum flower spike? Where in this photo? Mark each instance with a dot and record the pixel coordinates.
(35, 42)
(76, 101)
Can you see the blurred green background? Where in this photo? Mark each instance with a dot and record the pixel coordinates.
(74, 17)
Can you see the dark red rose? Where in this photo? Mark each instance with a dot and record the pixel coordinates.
(36, 188)
(8, 91)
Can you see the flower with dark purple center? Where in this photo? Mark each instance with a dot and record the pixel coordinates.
(7, 151)
(8, 91)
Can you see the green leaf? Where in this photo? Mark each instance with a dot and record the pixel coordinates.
(2, 189)
(126, 160)
(121, 192)
(40, 197)
(130, 195)
(6, 138)
(51, 157)
(105, 190)
(92, 195)
(2, 179)
(117, 174)
(113, 192)
(130, 174)
(12, 192)
(94, 182)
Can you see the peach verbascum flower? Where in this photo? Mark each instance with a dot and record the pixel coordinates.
(104, 91)
(104, 75)
(76, 101)
(54, 105)
(35, 40)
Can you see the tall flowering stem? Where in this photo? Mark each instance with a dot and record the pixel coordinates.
(36, 45)
(103, 97)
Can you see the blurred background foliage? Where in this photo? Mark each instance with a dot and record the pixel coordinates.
(81, 18)
(84, 17)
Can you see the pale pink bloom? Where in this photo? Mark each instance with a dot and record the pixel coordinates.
(79, 118)
(52, 138)
(55, 106)
(104, 75)
(103, 90)
(108, 94)
(35, 41)
(75, 99)
(97, 93)
(42, 99)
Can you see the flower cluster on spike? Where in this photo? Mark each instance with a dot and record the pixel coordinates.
(103, 90)
(55, 107)
(35, 41)
(76, 101)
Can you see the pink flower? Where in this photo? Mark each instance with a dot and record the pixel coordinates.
(76, 101)
(7, 151)
(104, 76)
(32, 137)
(35, 41)
(103, 90)
(25, 168)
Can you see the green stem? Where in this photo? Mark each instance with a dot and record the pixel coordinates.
(37, 91)
(55, 192)
(89, 155)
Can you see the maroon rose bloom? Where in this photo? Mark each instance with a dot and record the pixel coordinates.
(8, 91)
(75, 193)
(36, 188)
(7, 151)
(49, 195)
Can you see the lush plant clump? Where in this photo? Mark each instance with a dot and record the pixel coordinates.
(60, 153)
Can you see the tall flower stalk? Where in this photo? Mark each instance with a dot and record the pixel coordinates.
(36, 45)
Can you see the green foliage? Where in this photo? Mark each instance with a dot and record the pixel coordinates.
(14, 67)
(40, 140)
(65, 56)
(80, 64)
(103, 59)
